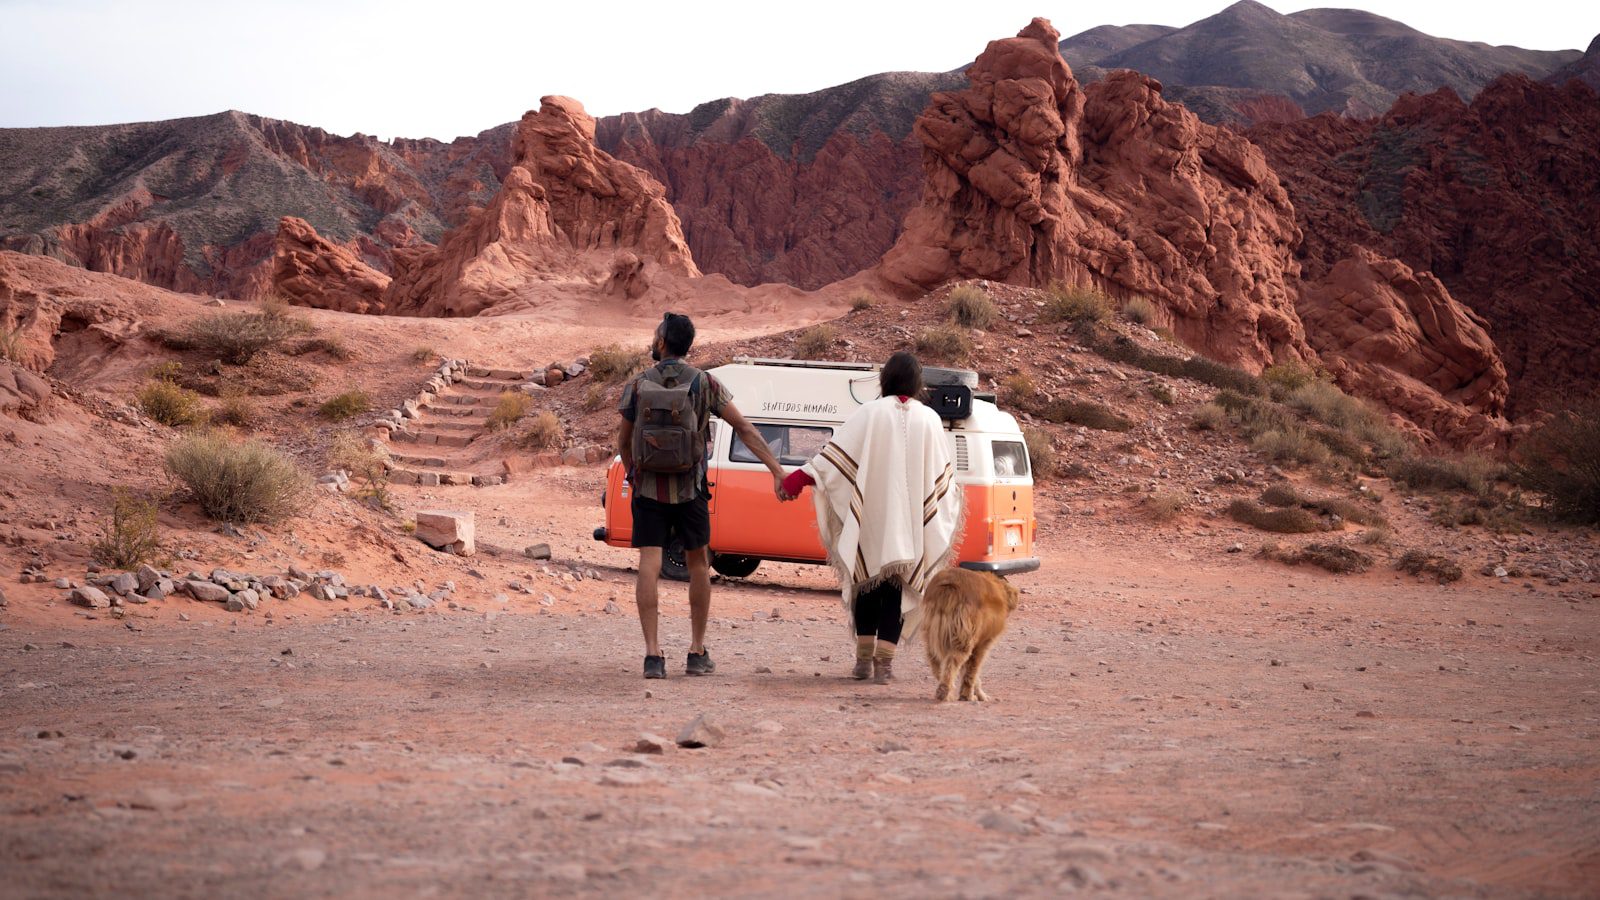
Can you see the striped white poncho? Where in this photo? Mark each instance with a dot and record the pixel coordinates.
(886, 498)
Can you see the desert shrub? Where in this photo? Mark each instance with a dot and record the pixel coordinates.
(970, 307)
(236, 482)
(1018, 390)
(1336, 558)
(330, 344)
(1290, 444)
(236, 338)
(171, 405)
(508, 410)
(612, 363)
(346, 405)
(1561, 460)
(131, 535)
(596, 397)
(1163, 394)
(1501, 515)
(1208, 417)
(1468, 472)
(11, 344)
(944, 343)
(862, 300)
(1376, 537)
(1292, 520)
(1432, 565)
(235, 409)
(1120, 348)
(170, 370)
(1165, 506)
(543, 432)
(1282, 494)
(814, 342)
(1063, 303)
(358, 456)
(1041, 452)
(1285, 378)
(1086, 413)
(1139, 310)
(424, 355)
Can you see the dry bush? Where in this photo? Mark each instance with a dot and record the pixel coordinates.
(1285, 378)
(1139, 310)
(330, 344)
(1442, 568)
(596, 397)
(862, 300)
(1500, 515)
(815, 342)
(1290, 444)
(169, 404)
(1163, 394)
(1086, 413)
(1165, 506)
(11, 344)
(612, 363)
(544, 432)
(508, 410)
(1292, 520)
(1208, 417)
(1075, 304)
(1377, 537)
(1018, 390)
(1336, 558)
(236, 482)
(358, 456)
(132, 535)
(424, 355)
(1469, 472)
(970, 307)
(1121, 348)
(1041, 452)
(346, 405)
(1561, 460)
(236, 338)
(1282, 494)
(235, 409)
(944, 343)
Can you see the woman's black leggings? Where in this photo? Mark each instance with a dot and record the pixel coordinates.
(878, 612)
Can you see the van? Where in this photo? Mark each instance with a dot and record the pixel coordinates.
(796, 405)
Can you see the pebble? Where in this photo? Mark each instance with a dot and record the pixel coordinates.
(652, 744)
(1005, 823)
(701, 732)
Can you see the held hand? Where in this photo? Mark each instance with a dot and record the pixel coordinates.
(777, 489)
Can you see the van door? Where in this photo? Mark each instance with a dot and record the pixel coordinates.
(747, 519)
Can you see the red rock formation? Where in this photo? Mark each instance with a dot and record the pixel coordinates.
(564, 198)
(309, 270)
(1032, 180)
(22, 393)
(1496, 198)
(1398, 337)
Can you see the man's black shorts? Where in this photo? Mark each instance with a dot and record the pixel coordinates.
(656, 523)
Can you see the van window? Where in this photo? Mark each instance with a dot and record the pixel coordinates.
(793, 445)
(1010, 459)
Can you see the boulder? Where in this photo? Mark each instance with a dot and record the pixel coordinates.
(206, 591)
(91, 597)
(452, 532)
(309, 270)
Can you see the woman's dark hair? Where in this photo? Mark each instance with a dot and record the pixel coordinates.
(901, 376)
(677, 333)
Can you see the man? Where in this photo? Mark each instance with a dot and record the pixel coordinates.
(670, 493)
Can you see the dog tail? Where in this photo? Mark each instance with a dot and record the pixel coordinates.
(947, 617)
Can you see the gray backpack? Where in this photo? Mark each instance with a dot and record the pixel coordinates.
(668, 436)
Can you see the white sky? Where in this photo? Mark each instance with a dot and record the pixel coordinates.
(452, 67)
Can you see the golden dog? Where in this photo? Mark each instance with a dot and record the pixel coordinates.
(961, 616)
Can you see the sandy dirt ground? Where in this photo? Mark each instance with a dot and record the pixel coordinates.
(1209, 726)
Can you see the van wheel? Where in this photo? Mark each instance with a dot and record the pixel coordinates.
(674, 566)
(735, 566)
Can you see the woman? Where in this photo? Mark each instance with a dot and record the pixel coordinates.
(887, 509)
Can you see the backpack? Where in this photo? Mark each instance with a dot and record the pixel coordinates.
(668, 436)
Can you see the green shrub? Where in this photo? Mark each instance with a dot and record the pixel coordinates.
(1063, 303)
(612, 363)
(862, 300)
(1561, 461)
(1208, 417)
(1041, 452)
(1281, 521)
(1139, 310)
(944, 343)
(346, 405)
(235, 409)
(236, 482)
(509, 410)
(1441, 568)
(132, 535)
(1086, 413)
(236, 338)
(543, 432)
(970, 307)
(814, 342)
(171, 405)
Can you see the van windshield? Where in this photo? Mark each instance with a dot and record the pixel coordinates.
(793, 445)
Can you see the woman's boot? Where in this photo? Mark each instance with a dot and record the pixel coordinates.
(864, 647)
(883, 663)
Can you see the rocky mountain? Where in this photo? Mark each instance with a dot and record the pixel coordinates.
(1586, 68)
(1494, 197)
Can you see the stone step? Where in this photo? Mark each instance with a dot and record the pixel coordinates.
(461, 399)
(416, 462)
(463, 424)
(501, 374)
(432, 438)
(497, 387)
(460, 412)
(433, 477)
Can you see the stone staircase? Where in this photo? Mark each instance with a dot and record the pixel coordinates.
(432, 436)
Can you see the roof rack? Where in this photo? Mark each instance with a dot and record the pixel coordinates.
(806, 364)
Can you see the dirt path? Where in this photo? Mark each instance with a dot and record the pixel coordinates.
(1211, 726)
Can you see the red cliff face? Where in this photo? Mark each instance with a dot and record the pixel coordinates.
(1495, 198)
(309, 270)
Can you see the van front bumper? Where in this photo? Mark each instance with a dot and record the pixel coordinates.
(1005, 566)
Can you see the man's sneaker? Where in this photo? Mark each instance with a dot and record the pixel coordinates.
(700, 663)
(655, 667)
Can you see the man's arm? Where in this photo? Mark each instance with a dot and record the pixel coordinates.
(758, 445)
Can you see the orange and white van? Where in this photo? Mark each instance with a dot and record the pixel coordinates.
(797, 405)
